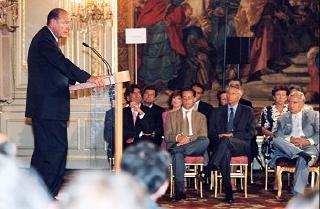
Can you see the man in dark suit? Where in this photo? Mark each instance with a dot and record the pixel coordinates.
(136, 118)
(48, 99)
(186, 135)
(149, 97)
(231, 129)
(254, 146)
(109, 123)
(199, 105)
(202, 107)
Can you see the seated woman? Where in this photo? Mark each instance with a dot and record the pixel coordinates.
(222, 98)
(269, 116)
(175, 103)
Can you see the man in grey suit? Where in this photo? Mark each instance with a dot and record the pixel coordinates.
(186, 135)
(297, 137)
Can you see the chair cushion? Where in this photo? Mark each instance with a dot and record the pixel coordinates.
(317, 164)
(286, 162)
(194, 159)
(239, 160)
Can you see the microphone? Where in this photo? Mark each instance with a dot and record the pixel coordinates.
(99, 55)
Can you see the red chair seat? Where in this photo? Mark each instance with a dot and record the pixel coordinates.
(239, 160)
(194, 159)
(291, 163)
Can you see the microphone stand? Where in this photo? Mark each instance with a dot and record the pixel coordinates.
(99, 55)
(109, 72)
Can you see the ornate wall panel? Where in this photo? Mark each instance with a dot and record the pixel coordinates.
(82, 153)
(6, 66)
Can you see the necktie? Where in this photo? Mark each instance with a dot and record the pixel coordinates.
(230, 121)
(134, 117)
(185, 124)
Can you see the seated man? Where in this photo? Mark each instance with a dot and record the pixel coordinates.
(149, 96)
(109, 123)
(297, 137)
(186, 135)
(231, 129)
(136, 118)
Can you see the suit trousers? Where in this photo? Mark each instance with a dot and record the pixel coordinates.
(194, 148)
(302, 170)
(221, 159)
(50, 152)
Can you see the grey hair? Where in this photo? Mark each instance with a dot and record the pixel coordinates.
(299, 94)
(21, 188)
(241, 92)
(101, 190)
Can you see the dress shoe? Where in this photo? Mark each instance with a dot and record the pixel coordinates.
(229, 200)
(179, 196)
(312, 160)
(201, 176)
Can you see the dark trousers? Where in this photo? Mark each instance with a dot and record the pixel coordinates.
(226, 149)
(194, 148)
(50, 151)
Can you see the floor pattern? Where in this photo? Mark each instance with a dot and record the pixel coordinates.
(257, 198)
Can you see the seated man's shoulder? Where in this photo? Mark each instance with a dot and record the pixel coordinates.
(199, 114)
(206, 105)
(284, 116)
(245, 107)
(173, 113)
(312, 113)
(158, 108)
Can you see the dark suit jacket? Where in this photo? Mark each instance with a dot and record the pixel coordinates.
(245, 102)
(131, 130)
(157, 124)
(49, 75)
(205, 109)
(243, 128)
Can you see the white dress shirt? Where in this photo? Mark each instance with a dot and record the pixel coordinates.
(297, 127)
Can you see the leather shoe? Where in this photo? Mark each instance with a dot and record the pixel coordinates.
(229, 200)
(201, 176)
(312, 161)
(179, 196)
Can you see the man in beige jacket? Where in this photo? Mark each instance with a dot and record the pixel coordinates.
(186, 135)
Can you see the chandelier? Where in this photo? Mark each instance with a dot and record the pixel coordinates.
(91, 11)
(8, 14)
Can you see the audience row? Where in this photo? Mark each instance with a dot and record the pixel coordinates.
(191, 127)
